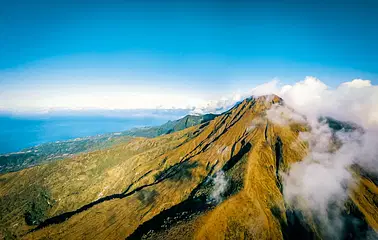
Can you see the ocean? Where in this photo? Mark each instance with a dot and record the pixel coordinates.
(17, 133)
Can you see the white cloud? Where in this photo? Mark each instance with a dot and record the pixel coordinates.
(256, 122)
(323, 176)
(355, 101)
(321, 181)
(357, 83)
(226, 102)
(266, 88)
(217, 106)
(220, 186)
(283, 115)
(83, 97)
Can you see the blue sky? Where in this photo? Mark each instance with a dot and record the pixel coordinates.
(57, 54)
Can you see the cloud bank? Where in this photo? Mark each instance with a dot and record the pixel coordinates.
(81, 98)
(355, 101)
(322, 181)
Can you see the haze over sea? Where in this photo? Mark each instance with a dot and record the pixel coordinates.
(17, 133)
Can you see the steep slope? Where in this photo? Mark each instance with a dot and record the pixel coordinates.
(62, 186)
(216, 180)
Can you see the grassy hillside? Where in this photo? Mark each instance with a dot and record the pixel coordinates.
(62, 186)
(216, 180)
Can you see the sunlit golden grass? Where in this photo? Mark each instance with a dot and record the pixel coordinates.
(75, 182)
(158, 174)
(365, 196)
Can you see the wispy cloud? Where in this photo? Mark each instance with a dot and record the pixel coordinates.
(356, 100)
(82, 97)
(220, 185)
(321, 181)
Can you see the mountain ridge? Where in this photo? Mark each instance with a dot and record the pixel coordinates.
(219, 179)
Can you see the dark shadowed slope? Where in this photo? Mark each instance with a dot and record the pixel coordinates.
(216, 180)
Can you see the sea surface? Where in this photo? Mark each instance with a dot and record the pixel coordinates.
(17, 133)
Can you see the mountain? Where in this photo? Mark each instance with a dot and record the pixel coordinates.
(216, 180)
(63, 149)
(170, 126)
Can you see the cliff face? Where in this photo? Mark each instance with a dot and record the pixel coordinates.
(217, 180)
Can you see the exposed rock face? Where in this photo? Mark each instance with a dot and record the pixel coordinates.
(165, 187)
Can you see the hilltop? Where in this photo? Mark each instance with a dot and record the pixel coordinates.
(218, 179)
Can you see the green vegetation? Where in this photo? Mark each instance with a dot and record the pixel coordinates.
(165, 187)
(63, 149)
(340, 125)
(57, 150)
(147, 197)
(38, 207)
(33, 195)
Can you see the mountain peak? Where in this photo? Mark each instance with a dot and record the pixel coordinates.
(272, 98)
(214, 180)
